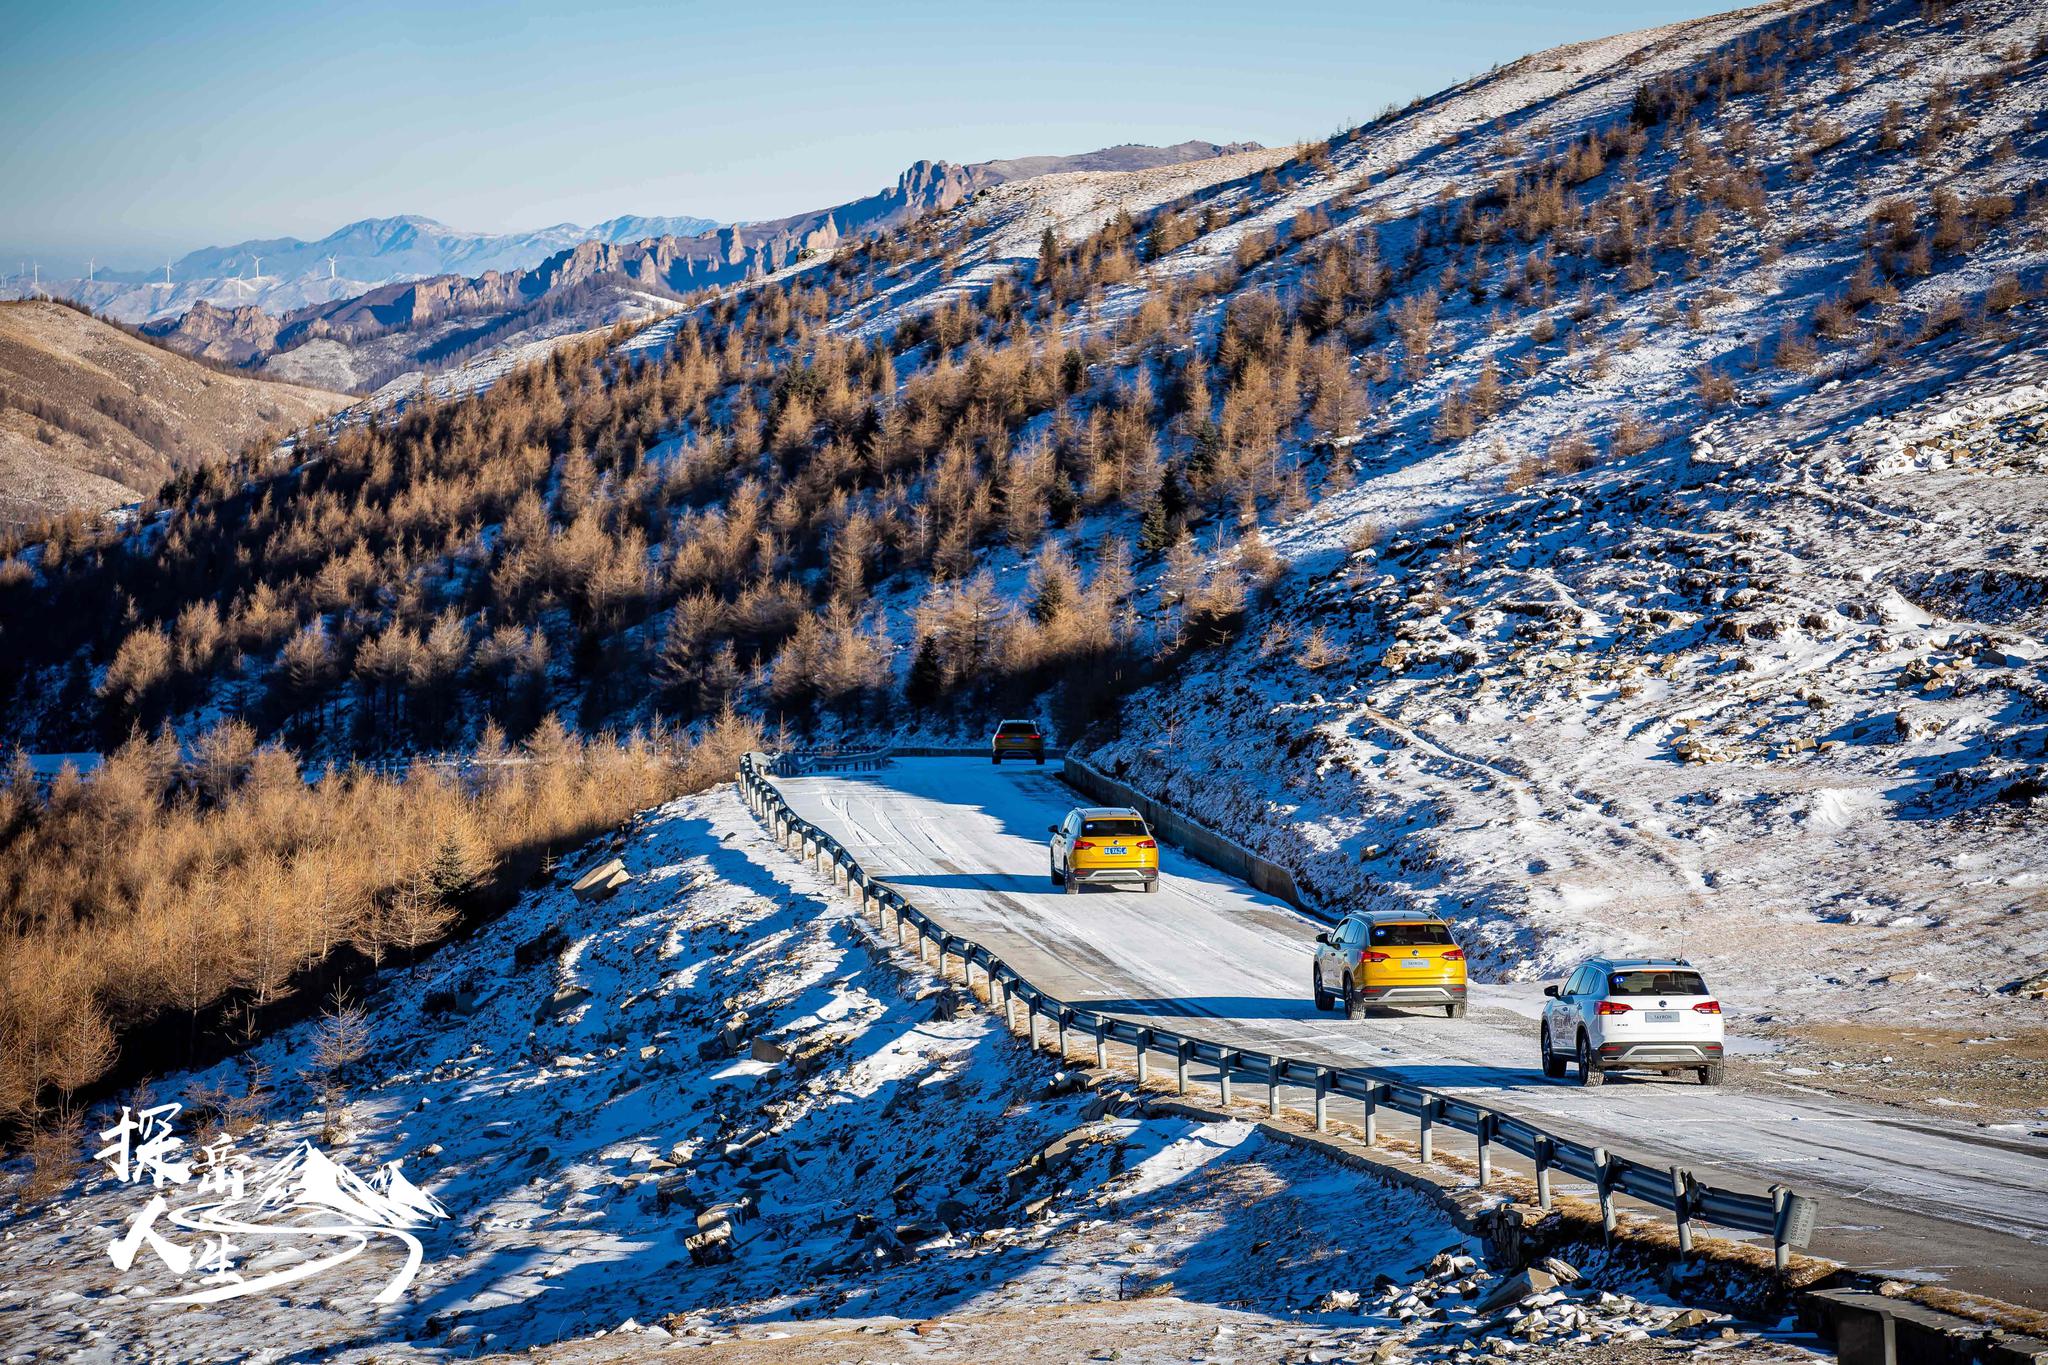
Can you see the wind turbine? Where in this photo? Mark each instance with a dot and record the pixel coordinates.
(330, 267)
(259, 269)
(90, 266)
(167, 272)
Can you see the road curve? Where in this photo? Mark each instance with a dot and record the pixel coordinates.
(1919, 1198)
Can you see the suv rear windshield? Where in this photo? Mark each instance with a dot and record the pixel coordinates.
(1656, 982)
(1016, 727)
(1124, 827)
(1411, 934)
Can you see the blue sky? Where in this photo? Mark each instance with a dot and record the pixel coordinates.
(129, 131)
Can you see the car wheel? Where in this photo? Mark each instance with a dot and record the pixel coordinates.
(1152, 885)
(1057, 879)
(1072, 883)
(1710, 1074)
(1354, 1003)
(1553, 1065)
(1041, 760)
(1454, 1011)
(1324, 1000)
(996, 759)
(1589, 1070)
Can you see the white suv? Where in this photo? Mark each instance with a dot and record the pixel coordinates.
(1617, 1014)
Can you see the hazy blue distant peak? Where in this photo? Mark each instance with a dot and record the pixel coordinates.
(411, 245)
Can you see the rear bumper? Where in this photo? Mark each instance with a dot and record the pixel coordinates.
(1114, 876)
(1017, 751)
(1400, 993)
(1665, 1054)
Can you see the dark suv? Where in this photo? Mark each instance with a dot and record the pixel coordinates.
(1016, 739)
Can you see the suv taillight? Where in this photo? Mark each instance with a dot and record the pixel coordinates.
(1375, 957)
(1451, 955)
(1080, 844)
(1611, 1007)
(1707, 1007)
(1148, 843)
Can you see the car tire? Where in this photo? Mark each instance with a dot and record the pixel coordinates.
(1072, 883)
(1454, 1011)
(1553, 1065)
(996, 759)
(1324, 1000)
(1041, 760)
(1589, 1070)
(1354, 1003)
(1710, 1074)
(1057, 879)
(1152, 885)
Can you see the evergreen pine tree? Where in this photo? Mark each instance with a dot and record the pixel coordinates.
(1154, 532)
(927, 676)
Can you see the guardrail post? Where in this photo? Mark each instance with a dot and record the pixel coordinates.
(1427, 1118)
(1781, 1254)
(1009, 1011)
(1226, 1059)
(1544, 1148)
(1144, 1047)
(1485, 1149)
(1272, 1085)
(967, 971)
(1061, 1019)
(1606, 1187)
(1180, 1066)
(1322, 1099)
(1101, 1046)
(1681, 1210)
(942, 958)
(1372, 1113)
(1031, 1019)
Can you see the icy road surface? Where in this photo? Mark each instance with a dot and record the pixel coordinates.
(967, 841)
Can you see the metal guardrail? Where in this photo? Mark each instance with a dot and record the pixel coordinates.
(1785, 1217)
(799, 761)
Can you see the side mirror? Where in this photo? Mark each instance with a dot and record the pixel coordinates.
(1551, 991)
(1324, 938)
(1052, 829)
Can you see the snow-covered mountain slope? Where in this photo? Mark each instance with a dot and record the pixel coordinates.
(1369, 471)
(591, 1092)
(1680, 592)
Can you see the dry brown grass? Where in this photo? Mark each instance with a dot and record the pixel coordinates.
(159, 887)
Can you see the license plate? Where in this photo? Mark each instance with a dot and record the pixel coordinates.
(1418, 962)
(1116, 850)
(1661, 1016)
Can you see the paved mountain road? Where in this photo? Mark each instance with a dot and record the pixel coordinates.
(967, 841)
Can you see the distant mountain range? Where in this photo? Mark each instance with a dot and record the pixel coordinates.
(279, 274)
(369, 336)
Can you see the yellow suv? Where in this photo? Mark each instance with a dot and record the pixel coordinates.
(1388, 957)
(1107, 844)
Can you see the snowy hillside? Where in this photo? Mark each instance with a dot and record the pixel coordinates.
(716, 1106)
(1601, 501)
